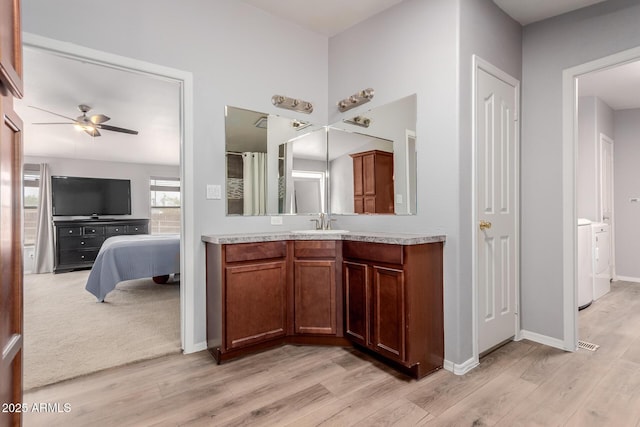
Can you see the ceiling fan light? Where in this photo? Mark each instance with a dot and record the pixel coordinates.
(78, 127)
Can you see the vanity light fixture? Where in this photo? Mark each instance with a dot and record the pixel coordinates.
(359, 121)
(355, 100)
(292, 104)
(298, 125)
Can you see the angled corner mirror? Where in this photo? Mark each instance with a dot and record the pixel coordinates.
(365, 164)
(372, 161)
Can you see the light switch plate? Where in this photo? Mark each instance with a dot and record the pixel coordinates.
(399, 199)
(214, 191)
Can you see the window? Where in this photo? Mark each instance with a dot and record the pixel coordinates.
(165, 205)
(31, 188)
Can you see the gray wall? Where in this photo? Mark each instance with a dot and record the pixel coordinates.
(239, 55)
(626, 153)
(139, 175)
(594, 117)
(549, 47)
(412, 48)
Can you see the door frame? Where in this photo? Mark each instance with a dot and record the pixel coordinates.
(569, 160)
(604, 138)
(481, 64)
(185, 80)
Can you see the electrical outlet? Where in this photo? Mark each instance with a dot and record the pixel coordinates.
(276, 220)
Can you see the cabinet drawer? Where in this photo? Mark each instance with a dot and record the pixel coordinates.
(74, 243)
(255, 251)
(78, 257)
(315, 249)
(69, 231)
(377, 252)
(89, 230)
(114, 230)
(136, 229)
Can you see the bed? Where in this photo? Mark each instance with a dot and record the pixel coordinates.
(133, 257)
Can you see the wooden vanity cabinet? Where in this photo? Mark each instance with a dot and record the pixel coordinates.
(384, 298)
(393, 298)
(373, 182)
(317, 287)
(246, 296)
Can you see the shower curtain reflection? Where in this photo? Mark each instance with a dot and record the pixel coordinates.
(254, 166)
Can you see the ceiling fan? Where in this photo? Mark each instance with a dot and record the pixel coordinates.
(89, 124)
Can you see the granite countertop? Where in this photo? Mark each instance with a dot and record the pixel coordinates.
(359, 236)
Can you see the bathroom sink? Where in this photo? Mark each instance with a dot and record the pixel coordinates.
(319, 231)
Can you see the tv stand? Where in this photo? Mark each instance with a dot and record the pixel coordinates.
(78, 241)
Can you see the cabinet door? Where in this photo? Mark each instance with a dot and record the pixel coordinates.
(358, 176)
(254, 299)
(11, 324)
(11, 47)
(357, 301)
(369, 173)
(370, 204)
(315, 297)
(388, 304)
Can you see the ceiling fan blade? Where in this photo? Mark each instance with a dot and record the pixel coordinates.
(51, 112)
(53, 123)
(99, 118)
(116, 129)
(92, 131)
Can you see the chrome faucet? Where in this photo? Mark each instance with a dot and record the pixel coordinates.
(323, 222)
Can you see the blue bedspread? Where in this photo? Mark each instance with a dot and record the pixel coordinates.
(133, 257)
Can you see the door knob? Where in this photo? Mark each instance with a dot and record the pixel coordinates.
(484, 225)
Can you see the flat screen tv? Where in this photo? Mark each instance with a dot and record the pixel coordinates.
(76, 196)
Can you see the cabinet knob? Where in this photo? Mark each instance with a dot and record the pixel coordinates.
(82, 243)
(136, 228)
(70, 231)
(117, 229)
(82, 256)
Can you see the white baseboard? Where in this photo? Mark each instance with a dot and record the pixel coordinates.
(460, 369)
(543, 339)
(196, 347)
(628, 279)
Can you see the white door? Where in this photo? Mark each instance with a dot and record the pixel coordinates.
(497, 201)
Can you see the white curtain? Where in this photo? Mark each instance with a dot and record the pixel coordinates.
(254, 177)
(43, 256)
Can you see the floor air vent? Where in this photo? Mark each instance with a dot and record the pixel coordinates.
(588, 346)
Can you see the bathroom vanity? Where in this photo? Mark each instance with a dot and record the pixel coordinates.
(380, 292)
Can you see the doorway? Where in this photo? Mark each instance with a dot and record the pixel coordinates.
(496, 201)
(604, 207)
(183, 81)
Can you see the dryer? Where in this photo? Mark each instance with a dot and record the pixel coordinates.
(601, 259)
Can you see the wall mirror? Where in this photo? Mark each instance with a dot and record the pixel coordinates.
(365, 164)
(274, 165)
(372, 161)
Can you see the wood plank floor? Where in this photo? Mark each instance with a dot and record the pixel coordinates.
(520, 384)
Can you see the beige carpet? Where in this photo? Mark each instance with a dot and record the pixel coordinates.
(68, 333)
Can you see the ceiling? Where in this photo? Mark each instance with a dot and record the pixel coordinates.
(150, 105)
(132, 101)
(618, 87)
(330, 17)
